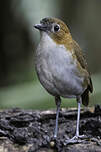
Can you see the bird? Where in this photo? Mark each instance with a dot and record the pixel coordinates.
(61, 67)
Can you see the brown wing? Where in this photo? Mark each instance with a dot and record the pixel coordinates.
(80, 57)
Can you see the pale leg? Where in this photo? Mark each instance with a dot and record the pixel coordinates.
(58, 103)
(77, 137)
(78, 119)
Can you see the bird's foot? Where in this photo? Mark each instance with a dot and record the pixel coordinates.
(76, 139)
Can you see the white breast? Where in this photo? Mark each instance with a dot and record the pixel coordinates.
(56, 69)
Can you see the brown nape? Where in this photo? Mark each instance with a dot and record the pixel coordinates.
(63, 36)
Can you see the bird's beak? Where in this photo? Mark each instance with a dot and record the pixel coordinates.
(41, 27)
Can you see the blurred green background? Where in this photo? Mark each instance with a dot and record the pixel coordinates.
(19, 86)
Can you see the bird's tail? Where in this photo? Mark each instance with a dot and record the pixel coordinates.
(85, 97)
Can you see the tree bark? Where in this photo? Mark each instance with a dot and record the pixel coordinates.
(32, 130)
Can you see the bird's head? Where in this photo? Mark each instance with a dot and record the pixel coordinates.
(57, 30)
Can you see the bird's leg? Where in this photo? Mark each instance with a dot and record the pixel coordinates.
(78, 119)
(77, 137)
(58, 103)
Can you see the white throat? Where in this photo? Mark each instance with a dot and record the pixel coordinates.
(48, 42)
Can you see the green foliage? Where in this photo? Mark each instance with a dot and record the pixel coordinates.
(32, 95)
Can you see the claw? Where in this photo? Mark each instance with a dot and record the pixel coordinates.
(79, 137)
(76, 139)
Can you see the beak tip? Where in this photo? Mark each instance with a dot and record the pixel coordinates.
(40, 27)
(35, 26)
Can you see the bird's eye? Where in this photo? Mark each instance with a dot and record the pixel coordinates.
(56, 28)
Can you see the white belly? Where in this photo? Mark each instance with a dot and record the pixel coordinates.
(57, 71)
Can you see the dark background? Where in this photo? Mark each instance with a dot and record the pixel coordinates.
(19, 86)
